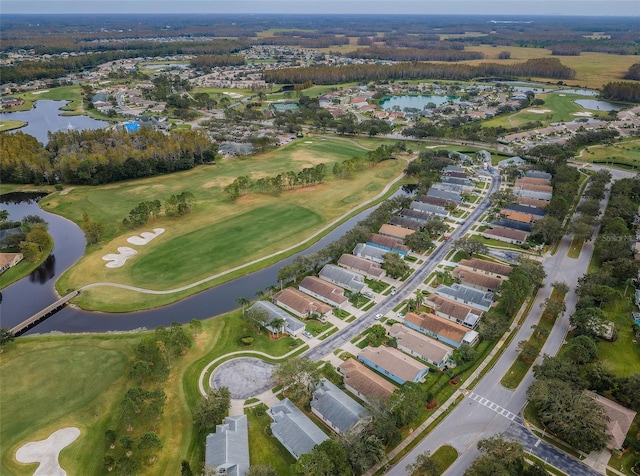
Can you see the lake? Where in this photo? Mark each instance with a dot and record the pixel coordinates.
(415, 101)
(598, 105)
(45, 117)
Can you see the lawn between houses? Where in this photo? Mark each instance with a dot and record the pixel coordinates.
(79, 380)
(218, 234)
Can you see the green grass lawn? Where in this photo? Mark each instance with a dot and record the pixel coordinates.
(625, 153)
(623, 356)
(265, 449)
(444, 457)
(7, 125)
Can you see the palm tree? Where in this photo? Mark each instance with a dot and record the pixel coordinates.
(419, 298)
(243, 302)
(277, 326)
(356, 298)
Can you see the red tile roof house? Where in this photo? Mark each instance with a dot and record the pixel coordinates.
(324, 291)
(395, 231)
(419, 345)
(441, 329)
(490, 268)
(365, 383)
(508, 235)
(518, 216)
(300, 304)
(454, 311)
(370, 269)
(477, 280)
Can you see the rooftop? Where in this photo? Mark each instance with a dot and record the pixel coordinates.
(366, 381)
(437, 325)
(419, 343)
(394, 361)
(342, 411)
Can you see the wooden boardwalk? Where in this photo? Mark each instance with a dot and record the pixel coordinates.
(46, 312)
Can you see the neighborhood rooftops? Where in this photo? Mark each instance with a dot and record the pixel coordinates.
(293, 325)
(447, 331)
(430, 209)
(477, 280)
(343, 277)
(420, 345)
(336, 408)
(297, 433)
(455, 197)
(393, 363)
(327, 292)
(300, 303)
(365, 383)
(373, 253)
(409, 223)
(395, 231)
(477, 264)
(472, 297)
(370, 268)
(228, 447)
(454, 311)
(509, 235)
(535, 211)
(387, 243)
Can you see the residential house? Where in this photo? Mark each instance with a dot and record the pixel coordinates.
(291, 427)
(408, 223)
(438, 202)
(508, 235)
(344, 278)
(300, 304)
(452, 196)
(450, 187)
(227, 449)
(370, 269)
(532, 202)
(472, 297)
(490, 268)
(373, 253)
(395, 231)
(453, 168)
(518, 216)
(462, 175)
(441, 329)
(536, 212)
(430, 209)
(8, 260)
(419, 345)
(387, 243)
(619, 420)
(465, 183)
(292, 325)
(524, 184)
(416, 215)
(365, 383)
(513, 224)
(534, 181)
(478, 281)
(324, 291)
(393, 363)
(340, 412)
(532, 194)
(517, 161)
(538, 174)
(454, 311)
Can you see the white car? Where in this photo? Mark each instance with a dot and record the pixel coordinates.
(378, 316)
(307, 334)
(393, 292)
(401, 315)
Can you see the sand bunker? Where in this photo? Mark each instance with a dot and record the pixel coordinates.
(308, 142)
(539, 111)
(118, 259)
(233, 95)
(145, 237)
(582, 114)
(46, 451)
(40, 92)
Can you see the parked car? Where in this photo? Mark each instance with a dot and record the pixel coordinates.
(378, 316)
(307, 334)
(394, 291)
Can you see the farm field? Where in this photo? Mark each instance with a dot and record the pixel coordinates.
(218, 234)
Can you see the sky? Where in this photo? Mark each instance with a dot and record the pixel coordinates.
(434, 7)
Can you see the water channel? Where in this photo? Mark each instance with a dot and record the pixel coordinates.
(33, 293)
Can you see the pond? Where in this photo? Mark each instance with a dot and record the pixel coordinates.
(45, 117)
(166, 66)
(598, 105)
(415, 101)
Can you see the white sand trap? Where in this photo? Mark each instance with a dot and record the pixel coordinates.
(539, 111)
(118, 259)
(582, 114)
(563, 95)
(145, 237)
(46, 451)
(233, 95)
(308, 142)
(40, 92)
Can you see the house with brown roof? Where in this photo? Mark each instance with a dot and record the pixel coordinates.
(619, 420)
(534, 180)
(9, 260)
(453, 310)
(532, 202)
(370, 269)
(365, 383)
(518, 216)
(490, 268)
(441, 329)
(508, 235)
(535, 187)
(475, 280)
(419, 345)
(324, 291)
(395, 231)
(300, 304)
(393, 363)
(388, 244)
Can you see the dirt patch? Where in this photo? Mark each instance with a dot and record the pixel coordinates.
(46, 452)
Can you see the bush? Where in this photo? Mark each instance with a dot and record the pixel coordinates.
(247, 341)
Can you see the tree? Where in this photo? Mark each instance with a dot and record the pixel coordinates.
(212, 409)
(418, 242)
(256, 317)
(364, 450)
(470, 246)
(185, 468)
(528, 350)
(589, 321)
(328, 458)
(140, 369)
(93, 230)
(277, 326)
(464, 353)
(580, 229)
(435, 227)
(627, 391)
(5, 336)
(582, 350)
(499, 457)
(196, 326)
(502, 198)
(299, 376)
(149, 443)
(406, 402)
(261, 470)
(243, 302)
(394, 265)
(548, 229)
(424, 465)
(110, 437)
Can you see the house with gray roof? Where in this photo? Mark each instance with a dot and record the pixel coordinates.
(370, 252)
(430, 209)
(516, 161)
(484, 156)
(416, 215)
(371, 269)
(419, 345)
(449, 187)
(465, 183)
(408, 223)
(292, 325)
(534, 194)
(291, 427)
(340, 412)
(323, 291)
(393, 363)
(454, 197)
(343, 278)
(228, 448)
(535, 211)
(441, 329)
(514, 224)
(439, 202)
(538, 174)
(454, 311)
(466, 295)
(453, 168)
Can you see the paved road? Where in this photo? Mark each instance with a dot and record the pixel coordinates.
(471, 420)
(406, 288)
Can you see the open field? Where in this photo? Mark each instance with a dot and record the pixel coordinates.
(218, 234)
(625, 153)
(11, 125)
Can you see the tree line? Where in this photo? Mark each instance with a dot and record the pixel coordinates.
(415, 54)
(101, 156)
(621, 91)
(541, 67)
